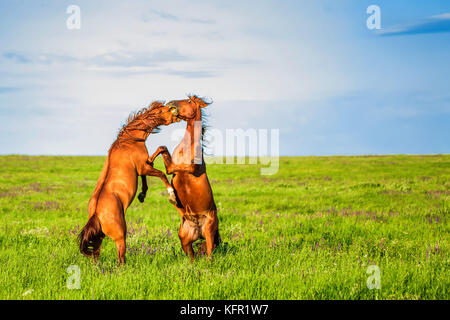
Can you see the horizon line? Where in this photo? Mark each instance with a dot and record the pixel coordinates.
(224, 156)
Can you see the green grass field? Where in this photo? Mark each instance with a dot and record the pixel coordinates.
(308, 232)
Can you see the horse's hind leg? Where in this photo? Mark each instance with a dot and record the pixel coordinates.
(210, 233)
(187, 234)
(121, 249)
(187, 248)
(116, 229)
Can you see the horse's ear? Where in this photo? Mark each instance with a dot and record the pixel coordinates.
(201, 102)
(204, 102)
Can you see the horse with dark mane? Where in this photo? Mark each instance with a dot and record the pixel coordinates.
(195, 201)
(127, 159)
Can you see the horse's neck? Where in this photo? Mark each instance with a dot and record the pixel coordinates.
(193, 132)
(191, 141)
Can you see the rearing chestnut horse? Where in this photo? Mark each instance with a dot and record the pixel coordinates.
(117, 185)
(195, 201)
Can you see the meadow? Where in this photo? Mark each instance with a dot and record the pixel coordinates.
(309, 232)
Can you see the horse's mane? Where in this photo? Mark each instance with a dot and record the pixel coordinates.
(143, 120)
(205, 127)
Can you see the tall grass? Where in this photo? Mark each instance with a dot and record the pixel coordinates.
(308, 232)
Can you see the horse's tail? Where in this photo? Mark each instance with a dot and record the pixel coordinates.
(92, 206)
(91, 237)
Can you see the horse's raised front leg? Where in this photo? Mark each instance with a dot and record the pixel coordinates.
(148, 170)
(171, 167)
(143, 193)
(158, 151)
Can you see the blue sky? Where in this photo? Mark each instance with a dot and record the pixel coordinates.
(312, 69)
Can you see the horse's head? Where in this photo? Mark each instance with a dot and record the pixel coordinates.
(188, 108)
(167, 114)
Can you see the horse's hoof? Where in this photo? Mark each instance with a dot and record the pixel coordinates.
(172, 198)
(141, 197)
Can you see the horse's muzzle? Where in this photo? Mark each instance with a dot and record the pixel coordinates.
(173, 107)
